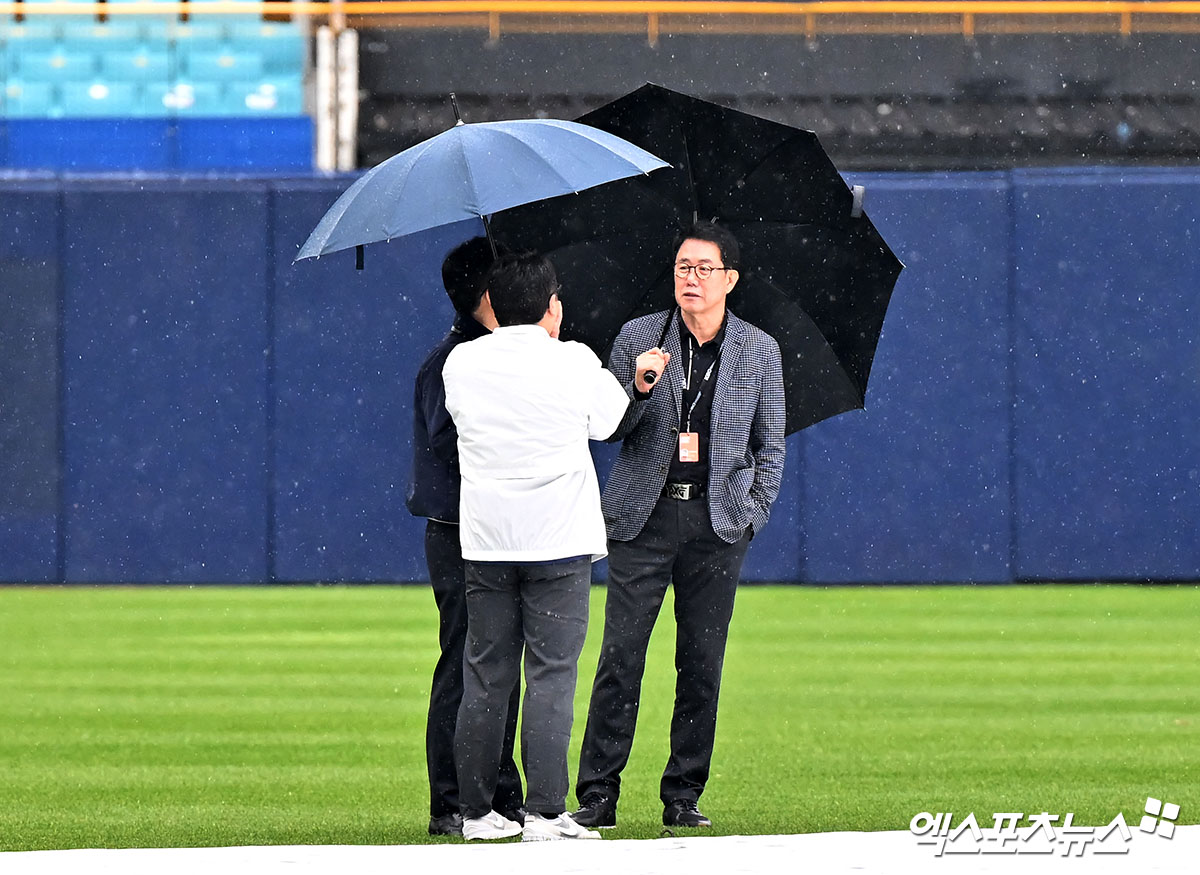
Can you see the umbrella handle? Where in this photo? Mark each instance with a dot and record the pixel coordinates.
(651, 377)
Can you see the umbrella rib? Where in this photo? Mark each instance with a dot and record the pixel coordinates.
(860, 391)
(631, 167)
(687, 157)
(773, 152)
(549, 167)
(477, 208)
(422, 149)
(344, 202)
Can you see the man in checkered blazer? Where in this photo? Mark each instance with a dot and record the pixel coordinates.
(700, 464)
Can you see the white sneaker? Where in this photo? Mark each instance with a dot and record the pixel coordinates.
(489, 827)
(545, 829)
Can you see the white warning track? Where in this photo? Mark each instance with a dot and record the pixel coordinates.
(853, 853)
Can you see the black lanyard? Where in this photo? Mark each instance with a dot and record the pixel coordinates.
(687, 424)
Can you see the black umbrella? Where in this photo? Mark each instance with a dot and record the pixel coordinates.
(816, 275)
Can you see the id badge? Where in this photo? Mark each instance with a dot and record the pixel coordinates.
(689, 446)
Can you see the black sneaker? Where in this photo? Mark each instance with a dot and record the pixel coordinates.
(597, 810)
(683, 812)
(446, 825)
(517, 814)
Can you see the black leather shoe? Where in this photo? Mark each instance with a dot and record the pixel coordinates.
(597, 810)
(446, 825)
(683, 812)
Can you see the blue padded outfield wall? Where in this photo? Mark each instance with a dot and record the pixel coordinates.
(181, 403)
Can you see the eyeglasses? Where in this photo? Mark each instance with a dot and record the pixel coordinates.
(703, 271)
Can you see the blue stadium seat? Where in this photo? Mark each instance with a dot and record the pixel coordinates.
(155, 26)
(195, 36)
(156, 99)
(98, 98)
(188, 98)
(58, 21)
(266, 97)
(109, 36)
(34, 35)
(282, 45)
(223, 66)
(31, 99)
(224, 20)
(137, 66)
(59, 65)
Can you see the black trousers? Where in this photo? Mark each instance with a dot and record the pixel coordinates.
(677, 546)
(443, 555)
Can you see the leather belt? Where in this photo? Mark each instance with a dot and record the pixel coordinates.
(682, 491)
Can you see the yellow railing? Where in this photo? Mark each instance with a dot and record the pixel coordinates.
(715, 17)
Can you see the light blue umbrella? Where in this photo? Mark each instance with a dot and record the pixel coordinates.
(474, 170)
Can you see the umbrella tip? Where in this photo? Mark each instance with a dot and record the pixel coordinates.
(458, 120)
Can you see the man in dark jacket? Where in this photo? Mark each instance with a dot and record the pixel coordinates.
(433, 493)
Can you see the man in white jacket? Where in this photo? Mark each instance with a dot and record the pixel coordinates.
(525, 405)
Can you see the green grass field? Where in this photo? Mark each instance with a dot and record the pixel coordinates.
(160, 717)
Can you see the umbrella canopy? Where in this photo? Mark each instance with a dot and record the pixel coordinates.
(473, 170)
(815, 273)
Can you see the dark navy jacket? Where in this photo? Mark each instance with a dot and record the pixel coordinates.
(434, 483)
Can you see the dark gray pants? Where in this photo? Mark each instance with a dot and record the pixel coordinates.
(676, 545)
(541, 611)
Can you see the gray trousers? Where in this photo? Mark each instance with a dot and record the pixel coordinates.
(540, 611)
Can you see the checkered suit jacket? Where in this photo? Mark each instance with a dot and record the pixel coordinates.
(746, 447)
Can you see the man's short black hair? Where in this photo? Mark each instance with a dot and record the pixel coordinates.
(464, 271)
(520, 285)
(711, 232)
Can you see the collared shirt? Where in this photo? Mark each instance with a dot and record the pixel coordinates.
(697, 396)
(525, 406)
(433, 483)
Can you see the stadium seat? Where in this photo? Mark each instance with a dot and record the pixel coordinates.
(98, 98)
(139, 66)
(199, 31)
(55, 66)
(194, 37)
(282, 44)
(188, 98)
(30, 99)
(34, 35)
(224, 66)
(266, 97)
(57, 21)
(225, 20)
(155, 26)
(155, 99)
(109, 36)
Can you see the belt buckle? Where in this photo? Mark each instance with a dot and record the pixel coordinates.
(680, 491)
